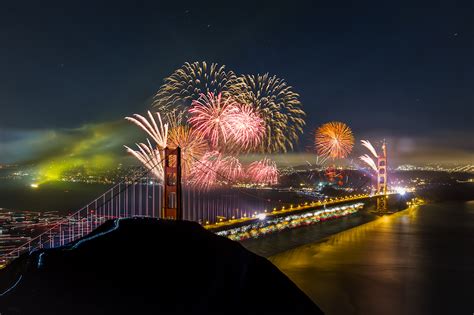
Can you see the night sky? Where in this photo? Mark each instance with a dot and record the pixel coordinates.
(400, 72)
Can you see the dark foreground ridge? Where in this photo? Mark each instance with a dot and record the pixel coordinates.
(148, 266)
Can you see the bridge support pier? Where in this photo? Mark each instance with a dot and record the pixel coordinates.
(382, 204)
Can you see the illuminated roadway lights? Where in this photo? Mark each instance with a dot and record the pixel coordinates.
(271, 225)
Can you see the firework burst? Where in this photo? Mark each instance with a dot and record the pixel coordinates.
(231, 169)
(366, 158)
(158, 132)
(174, 118)
(190, 81)
(150, 157)
(263, 172)
(214, 169)
(204, 171)
(191, 143)
(369, 161)
(334, 139)
(370, 147)
(279, 107)
(248, 128)
(211, 116)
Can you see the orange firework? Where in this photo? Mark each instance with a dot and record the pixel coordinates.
(191, 143)
(334, 140)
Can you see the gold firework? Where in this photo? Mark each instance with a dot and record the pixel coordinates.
(279, 106)
(334, 140)
(190, 81)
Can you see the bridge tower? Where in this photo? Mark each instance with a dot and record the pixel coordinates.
(172, 207)
(382, 180)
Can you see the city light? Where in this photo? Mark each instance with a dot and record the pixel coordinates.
(34, 185)
(402, 191)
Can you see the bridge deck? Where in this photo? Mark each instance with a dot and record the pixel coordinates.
(224, 224)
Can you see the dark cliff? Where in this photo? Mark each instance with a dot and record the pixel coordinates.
(148, 266)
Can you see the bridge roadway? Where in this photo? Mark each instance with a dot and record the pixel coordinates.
(224, 224)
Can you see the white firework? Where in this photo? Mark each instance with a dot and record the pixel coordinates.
(369, 146)
(150, 157)
(159, 133)
(369, 161)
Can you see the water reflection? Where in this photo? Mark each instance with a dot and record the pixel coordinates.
(414, 262)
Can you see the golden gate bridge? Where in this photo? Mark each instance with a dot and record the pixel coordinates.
(231, 212)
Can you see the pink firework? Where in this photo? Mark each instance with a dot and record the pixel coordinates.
(248, 127)
(263, 172)
(204, 171)
(211, 116)
(213, 169)
(230, 169)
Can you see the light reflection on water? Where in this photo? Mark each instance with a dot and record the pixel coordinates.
(418, 261)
